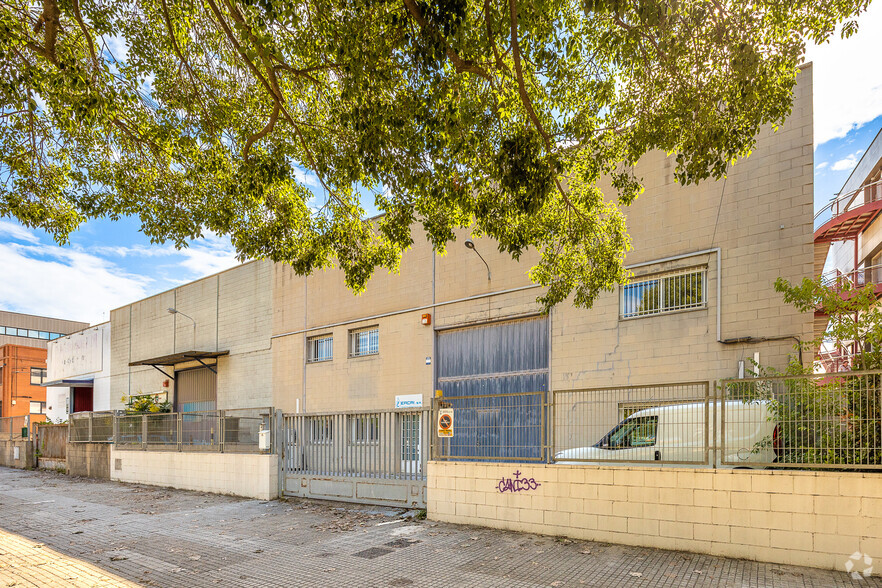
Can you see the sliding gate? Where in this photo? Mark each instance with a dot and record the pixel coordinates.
(375, 457)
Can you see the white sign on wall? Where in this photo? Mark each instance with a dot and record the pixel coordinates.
(409, 401)
(75, 355)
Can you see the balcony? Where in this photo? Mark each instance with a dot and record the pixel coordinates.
(853, 280)
(846, 217)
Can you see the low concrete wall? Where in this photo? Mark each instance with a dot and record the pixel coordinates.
(90, 460)
(25, 458)
(817, 519)
(240, 474)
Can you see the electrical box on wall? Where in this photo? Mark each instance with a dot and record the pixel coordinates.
(427, 319)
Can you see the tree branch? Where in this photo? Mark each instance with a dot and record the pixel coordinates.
(461, 65)
(263, 133)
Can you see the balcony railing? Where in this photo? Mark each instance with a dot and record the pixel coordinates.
(839, 280)
(871, 192)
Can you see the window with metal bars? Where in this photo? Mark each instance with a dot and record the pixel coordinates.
(320, 348)
(673, 292)
(364, 341)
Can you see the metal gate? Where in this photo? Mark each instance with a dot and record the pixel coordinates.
(374, 457)
(497, 373)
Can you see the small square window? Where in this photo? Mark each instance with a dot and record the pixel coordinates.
(364, 342)
(38, 376)
(320, 348)
(38, 407)
(22, 332)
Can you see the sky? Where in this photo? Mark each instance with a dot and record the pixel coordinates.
(109, 264)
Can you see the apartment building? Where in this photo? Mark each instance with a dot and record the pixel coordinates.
(23, 342)
(848, 239)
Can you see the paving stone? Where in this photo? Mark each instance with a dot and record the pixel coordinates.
(61, 531)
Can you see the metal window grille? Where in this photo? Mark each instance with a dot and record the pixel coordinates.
(364, 342)
(683, 290)
(320, 348)
(364, 429)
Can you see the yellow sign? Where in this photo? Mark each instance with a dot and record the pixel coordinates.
(445, 422)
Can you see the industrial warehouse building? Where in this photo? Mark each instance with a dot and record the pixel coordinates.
(700, 306)
(344, 382)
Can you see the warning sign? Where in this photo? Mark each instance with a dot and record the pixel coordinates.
(445, 422)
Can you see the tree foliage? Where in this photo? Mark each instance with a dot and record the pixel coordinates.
(501, 114)
(834, 419)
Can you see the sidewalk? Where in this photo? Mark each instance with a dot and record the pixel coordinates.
(61, 531)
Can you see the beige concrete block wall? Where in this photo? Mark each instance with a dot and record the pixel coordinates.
(816, 519)
(239, 474)
(233, 312)
(760, 217)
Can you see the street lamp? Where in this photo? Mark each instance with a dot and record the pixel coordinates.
(176, 311)
(471, 245)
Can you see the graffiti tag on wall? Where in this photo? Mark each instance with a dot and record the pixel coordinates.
(517, 484)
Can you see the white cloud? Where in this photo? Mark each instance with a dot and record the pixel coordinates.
(118, 47)
(17, 232)
(846, 163)
(203, 257)
(847, 94)
(65, 283)
(307, 178)
(822, 165)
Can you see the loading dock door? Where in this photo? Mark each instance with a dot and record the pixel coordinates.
(496, 377)
(195, 390)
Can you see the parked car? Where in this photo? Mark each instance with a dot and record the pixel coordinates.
(676, 433)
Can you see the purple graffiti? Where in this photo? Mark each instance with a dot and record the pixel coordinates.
(517, 484)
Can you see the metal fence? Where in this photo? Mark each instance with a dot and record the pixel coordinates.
(228, 431)
(665, 424)
(817, 421)
(14, 427)
(496, 427)
(225, 431)
(390, 444)
(91, 427)
(814, 421)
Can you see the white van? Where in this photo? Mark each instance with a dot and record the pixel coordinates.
(675, 434)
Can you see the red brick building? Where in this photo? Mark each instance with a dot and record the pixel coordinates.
(23, 340)
(22, 370)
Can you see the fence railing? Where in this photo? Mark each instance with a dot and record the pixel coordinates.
(808, 421)
(496, 427)
(817, 421)
(665, 424)
(227, 431)
(91, 427)
(392, 444)
(14, 427)
(223, 431)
